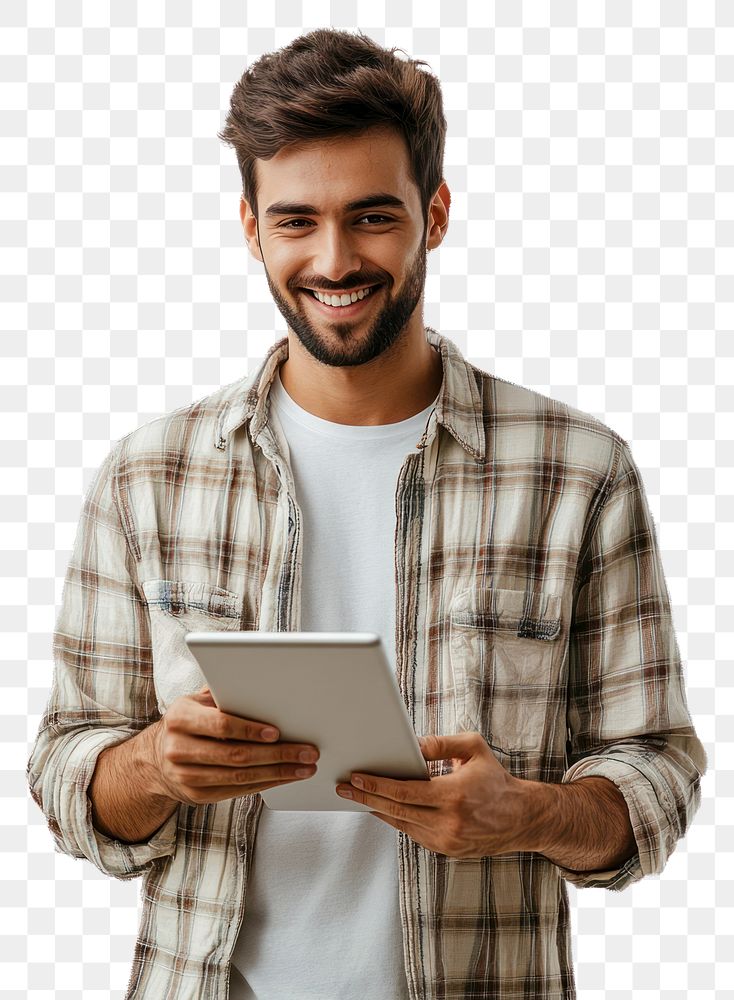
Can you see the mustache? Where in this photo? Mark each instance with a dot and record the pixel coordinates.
(333, 286)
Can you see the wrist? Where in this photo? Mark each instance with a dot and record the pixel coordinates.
(147, 760)
(582, 825)
(539, 811)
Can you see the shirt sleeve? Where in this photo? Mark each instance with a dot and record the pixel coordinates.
(627, 714)
(103, 691)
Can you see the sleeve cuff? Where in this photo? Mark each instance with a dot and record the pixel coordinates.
(639, 794)
(77, 835)
(616, 879)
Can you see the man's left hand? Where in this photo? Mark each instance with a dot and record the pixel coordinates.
(477, 810)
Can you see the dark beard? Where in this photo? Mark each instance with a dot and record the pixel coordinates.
(386, 328)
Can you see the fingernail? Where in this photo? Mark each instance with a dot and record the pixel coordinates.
(269, 733)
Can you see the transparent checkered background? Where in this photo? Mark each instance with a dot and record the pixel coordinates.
(589, 256)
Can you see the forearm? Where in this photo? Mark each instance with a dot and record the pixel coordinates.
(583, 825)
(126, 802)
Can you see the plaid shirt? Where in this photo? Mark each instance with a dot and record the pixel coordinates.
(531, 606)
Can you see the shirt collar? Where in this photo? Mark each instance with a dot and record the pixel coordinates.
(458, 407)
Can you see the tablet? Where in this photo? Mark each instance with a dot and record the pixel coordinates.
(335, 690)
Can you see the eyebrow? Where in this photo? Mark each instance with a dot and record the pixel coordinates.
(371, 201)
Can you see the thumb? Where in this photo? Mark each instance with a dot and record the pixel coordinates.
(461, 745)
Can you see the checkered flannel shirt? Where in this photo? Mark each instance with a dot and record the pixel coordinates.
(531, 607)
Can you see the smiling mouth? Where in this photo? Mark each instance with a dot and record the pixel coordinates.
(341, 300)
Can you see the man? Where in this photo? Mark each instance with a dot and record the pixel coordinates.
(366, 478)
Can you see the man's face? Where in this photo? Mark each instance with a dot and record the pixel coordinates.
(317, 234)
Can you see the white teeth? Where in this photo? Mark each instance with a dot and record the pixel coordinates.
(342, 300)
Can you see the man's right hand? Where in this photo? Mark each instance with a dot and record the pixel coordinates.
(194, 754)
(201, 755)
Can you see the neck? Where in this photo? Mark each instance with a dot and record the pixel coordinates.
(394, 386)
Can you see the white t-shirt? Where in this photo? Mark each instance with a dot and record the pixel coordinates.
(322, 917)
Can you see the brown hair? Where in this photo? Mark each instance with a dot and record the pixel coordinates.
(328, 83)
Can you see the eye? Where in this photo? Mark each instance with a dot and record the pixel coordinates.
(289, 223)
(377, 220)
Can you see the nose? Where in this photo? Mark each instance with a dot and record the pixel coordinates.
(335, 256)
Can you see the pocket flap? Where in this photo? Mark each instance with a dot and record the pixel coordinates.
(527, 614)
(177, 596)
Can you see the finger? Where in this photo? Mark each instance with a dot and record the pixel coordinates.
(188, 750)
(199, 719)
(402, 812)
(415, 792)
(458, 745)
(206, 794)
(205, 697)
(208, 777)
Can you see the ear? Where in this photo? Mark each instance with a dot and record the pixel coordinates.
(438, 217)
(249, 227)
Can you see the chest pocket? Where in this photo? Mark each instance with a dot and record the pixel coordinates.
(177, 607)
(506, 660)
